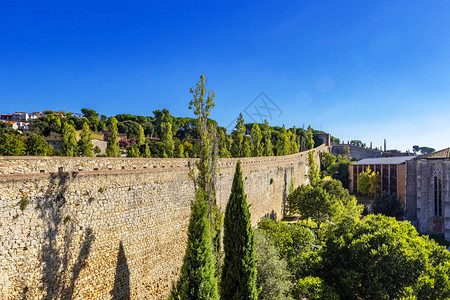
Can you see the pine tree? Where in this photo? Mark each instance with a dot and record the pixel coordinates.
(283, 142)
(268, 147)
(309, 139)
(167, 138)
(247, 147)
(238, 137)
(197, 279)
(112, 149)
(141, 135)
(68, 140)
(256, 138)
(293, 141)
(85, 146)
(239, 267)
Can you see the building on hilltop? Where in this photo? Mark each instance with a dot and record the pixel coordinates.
(6, 117)
(392, 172)
(427, 193)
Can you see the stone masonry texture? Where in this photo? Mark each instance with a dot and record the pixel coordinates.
(114, 228)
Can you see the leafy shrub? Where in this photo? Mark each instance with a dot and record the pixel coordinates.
(313, 288)
(273, 278)
(296, 244)
(381, 258)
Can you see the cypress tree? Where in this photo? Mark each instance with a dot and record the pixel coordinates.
(68, 140)
(197, 280)
(112, 149)
(85, 146)
(239, 267)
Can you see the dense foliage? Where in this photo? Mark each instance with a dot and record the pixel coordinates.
(274, 279)
(381, 258)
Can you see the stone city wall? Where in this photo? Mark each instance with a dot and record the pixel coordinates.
(105, 228)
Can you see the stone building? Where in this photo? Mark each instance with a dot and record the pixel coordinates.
(392, 172)
(427, 195)
(325, 137)
(356, 152)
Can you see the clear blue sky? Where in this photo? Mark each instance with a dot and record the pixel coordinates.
(364, 70)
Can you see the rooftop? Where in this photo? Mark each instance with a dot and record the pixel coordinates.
(396, 160)
(445, 153)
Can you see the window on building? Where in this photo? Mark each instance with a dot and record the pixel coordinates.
(437, 194)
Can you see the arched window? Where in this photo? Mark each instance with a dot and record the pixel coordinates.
(437, 193)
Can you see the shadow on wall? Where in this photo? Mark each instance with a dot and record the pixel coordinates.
(272, 215)
(61, 265)
(121, 288)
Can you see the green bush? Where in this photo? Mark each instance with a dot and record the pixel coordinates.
(381, 258)
(296, 244)
(273, 277)
(313, 288)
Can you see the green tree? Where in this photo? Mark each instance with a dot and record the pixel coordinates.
(11, 144)
(224, 144)
(273, 278)
(167, 138)
(93, 118)
(311, 202)
(295, 243)
(268, 147)
(247, 147)
(112, 148)
(133, 151)
(68, 140)
(313, 169)
(294, 147)
(339, 170)
(36, 145)
(313, 288)
(85, 146)
(364, 181)
(239, 266)
(141, 135)
(201, 104)
(258, 149)
(283, 147)
(197, 279)
(145, 150)
(180, 151)
(326, 161)
(238, 137)
(381, 258)
(309, 138)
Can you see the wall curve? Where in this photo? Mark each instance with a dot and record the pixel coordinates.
(102, 228)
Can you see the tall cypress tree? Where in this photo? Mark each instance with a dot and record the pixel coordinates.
(239, 267)
(197, 280)
(85, 146)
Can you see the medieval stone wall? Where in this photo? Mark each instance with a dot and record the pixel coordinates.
(103, 228)
(355, 151)
(420, 199)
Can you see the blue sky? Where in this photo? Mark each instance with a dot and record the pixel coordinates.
(364, 70)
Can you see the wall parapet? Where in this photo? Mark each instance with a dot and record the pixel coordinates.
(11, 165)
